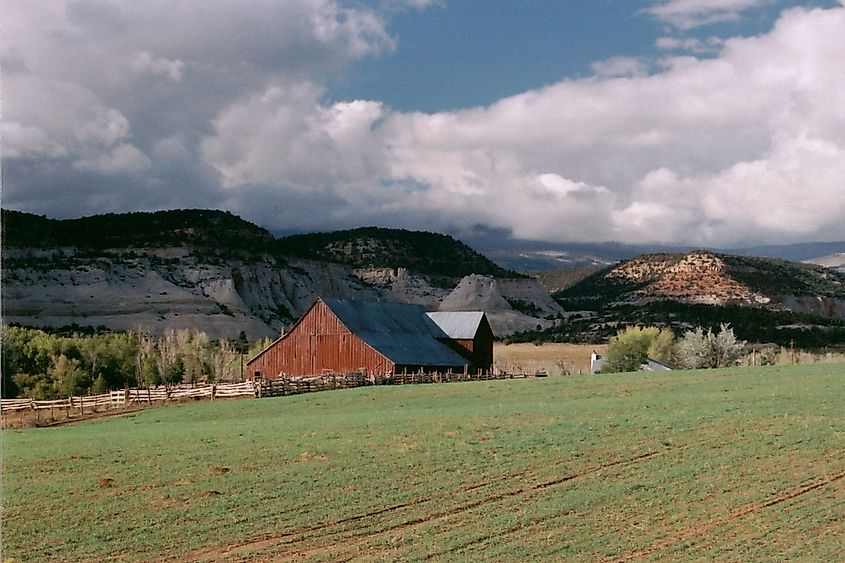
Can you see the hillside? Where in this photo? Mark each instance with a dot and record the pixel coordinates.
(764, 299)
(704, 277)
(533, 256)
(212, 271)
(189, 228)
(562, 278)
(371, 247)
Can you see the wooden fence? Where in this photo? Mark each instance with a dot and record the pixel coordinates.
(28, 412)
(23, 412)
(293, 385)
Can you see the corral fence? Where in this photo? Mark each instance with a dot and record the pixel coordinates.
(30, 412)
(293, 385)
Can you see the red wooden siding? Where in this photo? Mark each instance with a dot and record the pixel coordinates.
(317, 344)
(479, 350)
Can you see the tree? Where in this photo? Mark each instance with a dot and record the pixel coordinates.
(69, 379)
(727, 349)
(662, 348)
(698, 349)
(631, 347)
(149, 372)
(100, 386)
(628, 349)
(241, 345)
(176, 372)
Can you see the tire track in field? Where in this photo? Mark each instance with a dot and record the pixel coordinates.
(735, 514)
(351, 541)
(717, 442)
(291, 537)
(258, 541)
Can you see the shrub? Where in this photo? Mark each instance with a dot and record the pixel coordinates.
(631, 347)
(698, 349)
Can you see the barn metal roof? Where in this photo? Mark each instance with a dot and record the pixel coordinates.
(401, 332)
(462, 325)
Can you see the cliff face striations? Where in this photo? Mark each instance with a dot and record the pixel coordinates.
(212, 271)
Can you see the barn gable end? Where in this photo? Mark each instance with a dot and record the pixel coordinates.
(468, 333)
(318, 343)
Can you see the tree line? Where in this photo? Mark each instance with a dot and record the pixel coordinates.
(42, 365)
(696, 349)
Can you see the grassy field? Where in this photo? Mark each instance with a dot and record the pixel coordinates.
(722, 465)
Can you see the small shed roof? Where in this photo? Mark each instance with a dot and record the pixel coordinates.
(460, 325)
(399, 331)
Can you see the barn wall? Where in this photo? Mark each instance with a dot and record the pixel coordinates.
(318, 343)
(478, 351)
(482, 348)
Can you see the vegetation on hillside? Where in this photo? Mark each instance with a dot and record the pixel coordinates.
(374, 247)
(213, 235)
(563, 278)
(753, 324)
(192, 228)
(767, 276)
(607, 300)
(774, 277)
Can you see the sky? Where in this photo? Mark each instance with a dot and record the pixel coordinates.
(703, 122)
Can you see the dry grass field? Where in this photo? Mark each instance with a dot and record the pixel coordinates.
(553, 358)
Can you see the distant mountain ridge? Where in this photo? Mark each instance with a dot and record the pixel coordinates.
(375, 247)
(184, 227)
(705, 277)
(215, 272)
(764, 299)
(537, 256)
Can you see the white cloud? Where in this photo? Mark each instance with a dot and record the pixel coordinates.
(619, 66)
(20, 141)
(765, 121)
(743, 146)
(121, 159)
(144, 61)
(61, 120)
(687, 14)
(693, 45)
(285, 135)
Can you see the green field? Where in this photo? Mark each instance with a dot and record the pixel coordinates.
(711, 465)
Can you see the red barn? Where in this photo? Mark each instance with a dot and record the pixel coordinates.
(342, 336)
(468, 333)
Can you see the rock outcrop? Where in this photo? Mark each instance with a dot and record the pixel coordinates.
(159, 289)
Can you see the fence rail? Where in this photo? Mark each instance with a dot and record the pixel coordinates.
(81, 406)
(76, 407)
(294, 385)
